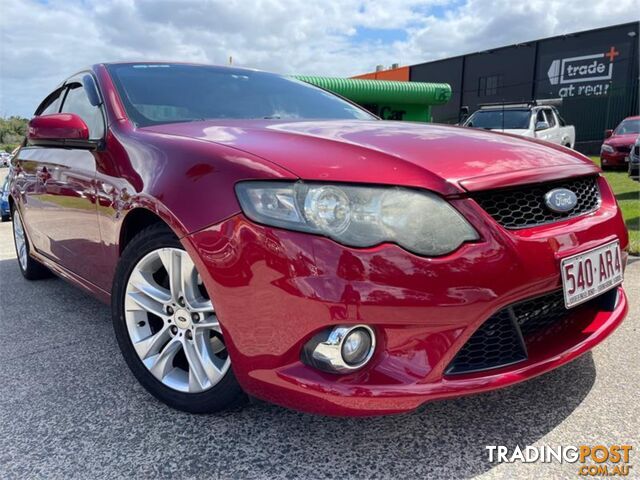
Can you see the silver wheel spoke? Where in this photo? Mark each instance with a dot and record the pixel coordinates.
(204, 348)
(201, 306)
(163, 362)
(172, 262)
(197, 375)
(152, 344)
(147, 285)
(146, 303)
(210, 323)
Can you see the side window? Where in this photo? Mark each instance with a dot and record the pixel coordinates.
(561, 121)
(540, 117)
(51, 104)
(550, 118)
(76, 101)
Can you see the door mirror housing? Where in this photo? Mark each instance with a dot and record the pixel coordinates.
(59, 129)
(608, 133)
(542, 125)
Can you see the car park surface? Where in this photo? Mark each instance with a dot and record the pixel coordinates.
(69, 408)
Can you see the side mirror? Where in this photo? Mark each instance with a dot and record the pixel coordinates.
(542, 125)
(59, 129)
(608, 133)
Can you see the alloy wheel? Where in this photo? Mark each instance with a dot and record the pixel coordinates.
(172, 323)
(20, 239)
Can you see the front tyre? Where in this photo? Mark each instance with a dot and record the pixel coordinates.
(166, 326)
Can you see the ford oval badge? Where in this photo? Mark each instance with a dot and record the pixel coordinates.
(560, 200)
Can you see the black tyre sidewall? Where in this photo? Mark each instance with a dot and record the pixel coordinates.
(223, 395)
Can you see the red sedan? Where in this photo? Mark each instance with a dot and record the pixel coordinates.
(617, 146)
(257, 235)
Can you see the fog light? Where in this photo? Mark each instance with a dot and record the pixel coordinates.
(340, 350)
(356, 346)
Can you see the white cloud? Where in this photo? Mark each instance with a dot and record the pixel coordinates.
(41, 43)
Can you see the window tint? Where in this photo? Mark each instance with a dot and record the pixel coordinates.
(51, 104)
(499, 119)
(166, 93)
(77, 102)
(550, 118)
(561, 121)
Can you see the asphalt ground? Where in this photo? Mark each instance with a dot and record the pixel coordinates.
(69, 408)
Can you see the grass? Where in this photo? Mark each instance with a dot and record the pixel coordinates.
(627, 193)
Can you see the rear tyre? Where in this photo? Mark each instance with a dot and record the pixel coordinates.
(6, 218)
(166, 326)
(30, 268)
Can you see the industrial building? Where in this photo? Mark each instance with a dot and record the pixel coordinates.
(595, 72)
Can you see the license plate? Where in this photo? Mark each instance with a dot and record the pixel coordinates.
(590, 273)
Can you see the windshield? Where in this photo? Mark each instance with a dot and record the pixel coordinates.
(500, 119)
(628, 126)
(167, 93)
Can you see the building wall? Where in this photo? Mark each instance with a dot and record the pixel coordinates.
(446, 71)
(596, 74)
(549, 68)
(498, 76)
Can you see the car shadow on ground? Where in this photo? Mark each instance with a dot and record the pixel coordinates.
(71, 408)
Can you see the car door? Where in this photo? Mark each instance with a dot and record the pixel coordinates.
(542, 133)
(28, 183)
(67, 216)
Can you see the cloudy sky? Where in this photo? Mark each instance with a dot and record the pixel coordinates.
(42, 42)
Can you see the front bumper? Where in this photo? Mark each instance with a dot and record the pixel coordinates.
(274, 289)
(615, 159)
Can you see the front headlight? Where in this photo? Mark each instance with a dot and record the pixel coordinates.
(607, 148)
(359, 216)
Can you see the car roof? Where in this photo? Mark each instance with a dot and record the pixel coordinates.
(192, 64)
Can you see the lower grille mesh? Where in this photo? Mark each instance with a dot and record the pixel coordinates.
(502, 339)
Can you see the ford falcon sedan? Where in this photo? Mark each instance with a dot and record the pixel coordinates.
(258, 236)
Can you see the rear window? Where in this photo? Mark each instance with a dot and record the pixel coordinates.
(500, 119)
(169, 93)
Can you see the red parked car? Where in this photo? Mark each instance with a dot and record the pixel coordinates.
(257, 235)
(618, 143)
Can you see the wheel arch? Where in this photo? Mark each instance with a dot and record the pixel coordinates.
(136, 220)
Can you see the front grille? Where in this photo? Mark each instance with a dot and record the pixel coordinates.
(524, 206)
(539, 313)
(624, 148)
(503, 339)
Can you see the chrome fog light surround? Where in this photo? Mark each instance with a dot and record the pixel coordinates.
(341, 350)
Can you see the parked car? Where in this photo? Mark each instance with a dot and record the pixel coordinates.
(5, 159)
(342, 264)
(634, 160)
(527, 120)
(618, 143)
(5, 211)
